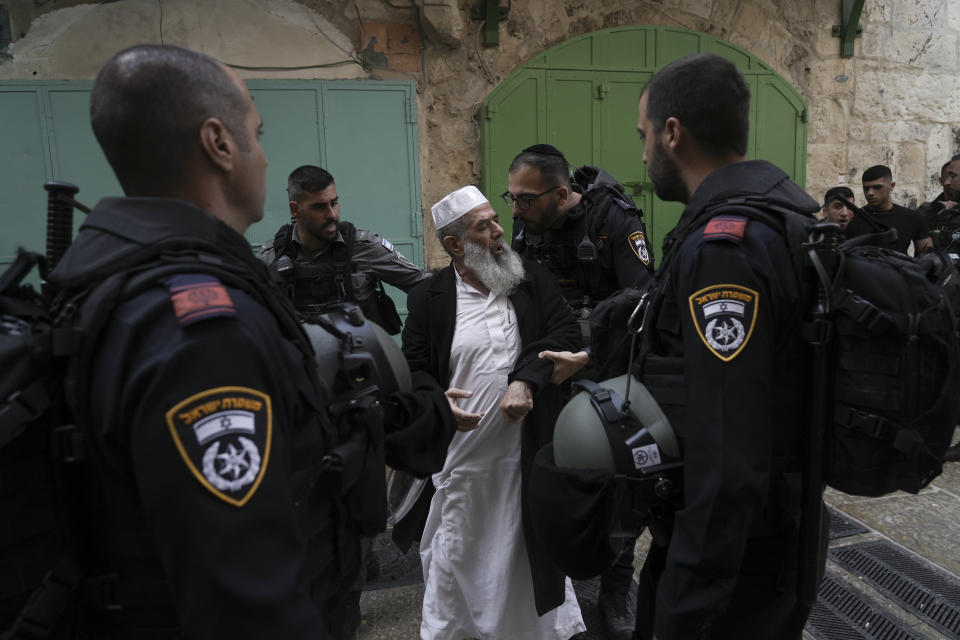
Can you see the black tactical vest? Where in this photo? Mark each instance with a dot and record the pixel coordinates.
(324, 280)
(583, 283)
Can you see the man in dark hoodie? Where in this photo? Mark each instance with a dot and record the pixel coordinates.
(725, 360)
(589, 234)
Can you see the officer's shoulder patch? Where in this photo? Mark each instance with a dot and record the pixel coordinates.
(729, 228)
(224, 437)
(387, 244)
(638, 243)
(724, 316)
(197, 297)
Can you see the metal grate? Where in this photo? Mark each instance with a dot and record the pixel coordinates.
(843, 527)
(844, 614)
(929, 594)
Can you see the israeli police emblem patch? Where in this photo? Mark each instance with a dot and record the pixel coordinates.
(638, 242)
(724, 315)
(224, 437)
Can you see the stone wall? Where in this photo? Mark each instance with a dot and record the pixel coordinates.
(897, 101)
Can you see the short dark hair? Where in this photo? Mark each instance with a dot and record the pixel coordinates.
(546, 159)
(147, 105)
(877, 172)
(709, 96)
(307, 179)
(833, 192)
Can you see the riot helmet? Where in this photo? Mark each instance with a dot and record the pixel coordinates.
(595, 430)
(353, 353)
(617, 426)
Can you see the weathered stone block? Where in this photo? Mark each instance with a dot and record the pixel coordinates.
(912, 164)
(829, 120)
(931, 50)
(442, 21)
(699, 8)
(825, 162)
(919, 14)
(905, 96)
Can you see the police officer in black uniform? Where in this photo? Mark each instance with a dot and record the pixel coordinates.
(330, 260)
(726, 362)
(204, 509)
(585, 230)
(590, 235)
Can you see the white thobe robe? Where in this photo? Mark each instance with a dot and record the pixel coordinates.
(476, 572)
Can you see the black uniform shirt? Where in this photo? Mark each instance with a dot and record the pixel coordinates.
(204, 413)
(731, 312)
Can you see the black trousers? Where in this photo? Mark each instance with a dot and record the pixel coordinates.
(764, 604)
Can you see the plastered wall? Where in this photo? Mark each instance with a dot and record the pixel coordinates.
(896, 102)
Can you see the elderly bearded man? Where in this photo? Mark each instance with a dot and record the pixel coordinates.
(479, 327)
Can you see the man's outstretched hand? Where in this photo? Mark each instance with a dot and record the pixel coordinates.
(565, 363)
(465, 421)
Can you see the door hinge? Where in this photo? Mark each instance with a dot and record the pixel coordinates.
(602, 90)
(489, 111)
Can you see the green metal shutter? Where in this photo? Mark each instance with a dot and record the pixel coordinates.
(365, 133)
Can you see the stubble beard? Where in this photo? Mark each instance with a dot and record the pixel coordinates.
(667, 183)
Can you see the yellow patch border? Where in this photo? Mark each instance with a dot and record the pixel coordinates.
(633, 247)
(753, 321)
(186, 458)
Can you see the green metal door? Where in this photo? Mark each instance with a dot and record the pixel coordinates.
(364, 133)
(582, 95)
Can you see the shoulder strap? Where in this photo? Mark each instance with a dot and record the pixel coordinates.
(144, 270)
(349, 233)
(281, 241)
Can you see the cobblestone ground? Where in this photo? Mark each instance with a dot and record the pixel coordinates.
(920, 531)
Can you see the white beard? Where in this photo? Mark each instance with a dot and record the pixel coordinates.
(499, 273)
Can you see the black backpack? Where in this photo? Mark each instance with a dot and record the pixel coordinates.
(891, 334)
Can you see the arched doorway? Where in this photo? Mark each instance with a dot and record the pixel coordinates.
(582, 94)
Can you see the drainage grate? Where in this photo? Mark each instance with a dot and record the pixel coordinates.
(843, 527)
(844, 614)
(929, 594)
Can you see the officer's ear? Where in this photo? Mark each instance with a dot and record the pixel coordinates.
(217, 143)
(562, 194)
(672, 133)
(453, 245)
(294, 211)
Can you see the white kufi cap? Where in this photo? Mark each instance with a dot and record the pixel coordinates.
(456, 205)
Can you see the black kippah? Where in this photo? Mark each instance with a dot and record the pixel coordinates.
(544, 150)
